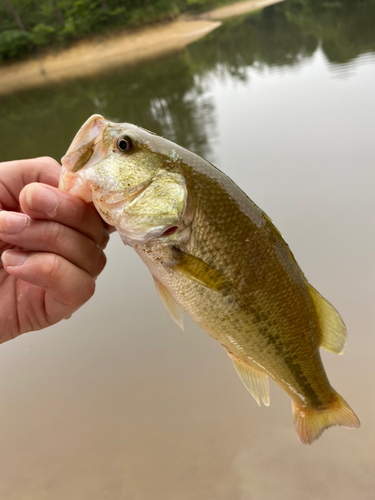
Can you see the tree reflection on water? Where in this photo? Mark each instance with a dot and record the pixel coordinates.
(171, 95)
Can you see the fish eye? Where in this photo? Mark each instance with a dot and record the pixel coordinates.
(124, 144)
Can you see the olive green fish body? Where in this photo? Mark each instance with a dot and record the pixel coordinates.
(214, 254)
(265, 314)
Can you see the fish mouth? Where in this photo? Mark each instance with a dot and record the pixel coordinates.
(89, 147)
(75, 184)
(84, 149)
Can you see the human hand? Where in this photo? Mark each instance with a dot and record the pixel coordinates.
(51, 247)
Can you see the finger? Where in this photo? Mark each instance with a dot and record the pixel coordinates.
(50, 236)
(40, 201)
(17, 174)
(67, 286)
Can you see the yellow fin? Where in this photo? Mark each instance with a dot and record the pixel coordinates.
(310, 423)
(197, 270)
(170, 304)
(254, 381)
(333, 330)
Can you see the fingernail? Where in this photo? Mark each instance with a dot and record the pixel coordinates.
(42, 199)
(13, 222)
(13, 258)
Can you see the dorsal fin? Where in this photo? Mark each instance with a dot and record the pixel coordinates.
(170, 304)
(254, 381)
(333, 330)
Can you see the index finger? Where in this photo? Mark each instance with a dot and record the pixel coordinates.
(41, 201)
(17, 174)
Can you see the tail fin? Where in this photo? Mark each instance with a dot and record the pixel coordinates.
(310, 423)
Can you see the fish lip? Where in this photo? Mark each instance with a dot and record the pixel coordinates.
(86, 139)
(85, 151)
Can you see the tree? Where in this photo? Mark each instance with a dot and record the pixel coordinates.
(13, 12)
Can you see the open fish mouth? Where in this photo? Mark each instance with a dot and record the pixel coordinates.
(84, 149)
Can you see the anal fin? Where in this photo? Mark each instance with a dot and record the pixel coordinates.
(333, 330)
(254, 381)
(170, 304)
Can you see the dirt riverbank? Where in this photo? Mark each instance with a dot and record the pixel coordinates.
(94, 56)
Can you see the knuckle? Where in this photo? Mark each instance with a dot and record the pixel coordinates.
(48, 160)
(99, 263)
(52, 233)
(80, 211)
(87, 291)
(80, 295)
(51, 265)
(104, 239)
(102, 261)
(94, 223)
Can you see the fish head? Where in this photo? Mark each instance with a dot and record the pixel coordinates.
(121, 168)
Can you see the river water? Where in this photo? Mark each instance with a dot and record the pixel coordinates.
(117, 403)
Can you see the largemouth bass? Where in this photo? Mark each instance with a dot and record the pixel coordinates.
(217, 256)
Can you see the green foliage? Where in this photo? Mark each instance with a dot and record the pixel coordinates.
(83, 18)
(13, 44)
(43, 34)
(26, 25)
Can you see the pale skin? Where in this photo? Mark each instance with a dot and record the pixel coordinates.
(51, 248)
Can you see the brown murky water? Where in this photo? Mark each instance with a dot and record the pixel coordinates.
(117, 403)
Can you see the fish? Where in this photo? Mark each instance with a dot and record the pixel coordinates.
(215, 255)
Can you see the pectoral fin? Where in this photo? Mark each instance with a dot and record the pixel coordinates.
(333, 330)
(198, 270)
(170, 304)
(254, 381)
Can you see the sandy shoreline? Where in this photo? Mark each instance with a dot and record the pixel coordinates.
(91, 57)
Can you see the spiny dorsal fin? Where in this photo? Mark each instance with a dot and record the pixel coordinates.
(197, 270)
(170, 304)
(333, 330)
(254, 381)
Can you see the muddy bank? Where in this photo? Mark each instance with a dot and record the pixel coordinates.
(94, 56)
